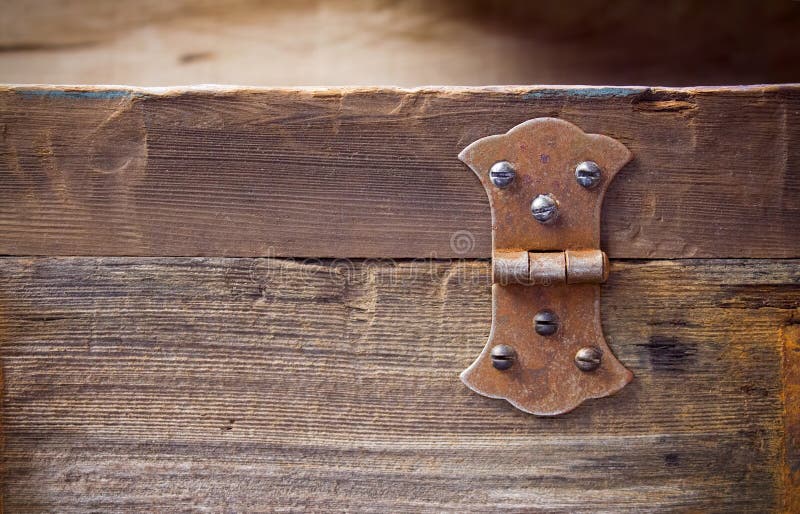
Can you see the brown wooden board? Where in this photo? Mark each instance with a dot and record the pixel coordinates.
(374, 172)
(791, 401)
(154, 384)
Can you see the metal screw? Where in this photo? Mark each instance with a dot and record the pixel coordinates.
(544, 208)
(545, 323)
(588, 358)
(503, 356)
(588, 174)
(502, 174)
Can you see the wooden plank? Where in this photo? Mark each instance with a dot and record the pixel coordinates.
(374, 173)
(791, 404)
(258, 384)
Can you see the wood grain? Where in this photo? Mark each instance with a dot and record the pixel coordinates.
(791, 402)
(156, 384)
(374, 172)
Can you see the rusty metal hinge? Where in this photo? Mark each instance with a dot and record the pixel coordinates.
(546, 179)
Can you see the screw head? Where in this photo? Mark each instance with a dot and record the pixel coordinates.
(503, 357)
(502, 174)
(588, 174)
(588, 358)
(545, 323)
(544, 208)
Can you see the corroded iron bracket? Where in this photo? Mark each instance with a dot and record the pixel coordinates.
(546, 179)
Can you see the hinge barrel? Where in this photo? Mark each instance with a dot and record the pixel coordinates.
(550, 268)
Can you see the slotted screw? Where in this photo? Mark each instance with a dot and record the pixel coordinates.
(503, 356)
(588, 174)
(502, 174)
(588, 358)
(545, 323)
(544, 208)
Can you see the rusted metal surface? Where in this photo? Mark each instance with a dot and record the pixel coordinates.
(564, 266)
(550, 268)
(511, 267)
(586, 266)
(547, 268)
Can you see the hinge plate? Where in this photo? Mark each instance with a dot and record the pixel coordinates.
(553, 373)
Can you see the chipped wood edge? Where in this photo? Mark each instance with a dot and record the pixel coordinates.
(535, 91)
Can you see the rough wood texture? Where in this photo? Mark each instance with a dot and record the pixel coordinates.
(398, 42)
(374, 172)
(245, 384)
(791, 401)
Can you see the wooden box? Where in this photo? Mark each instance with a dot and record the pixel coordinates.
(254, 299)
(239, 299)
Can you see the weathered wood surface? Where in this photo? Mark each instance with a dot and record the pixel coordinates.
(406, 43)
(374, 173)
(791, 400)
(253, 384)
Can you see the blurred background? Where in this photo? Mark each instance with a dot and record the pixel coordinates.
(397, 42)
